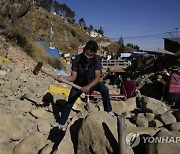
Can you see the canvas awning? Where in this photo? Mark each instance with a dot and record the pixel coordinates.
(165, 52)
(116, 69)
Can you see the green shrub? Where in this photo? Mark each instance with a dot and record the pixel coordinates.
(34, 50)
(55, 63)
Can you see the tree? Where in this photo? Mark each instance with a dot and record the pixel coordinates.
(121, 41)
(56, 6)
(81, 22)
(101, 31)
(63, 9)
(136, 47)
(66, 11)
(91, 27)
(46, 4)
(96, 30)
(70, 13)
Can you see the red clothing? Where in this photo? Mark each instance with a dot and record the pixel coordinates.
(129, 89)
(174, 86)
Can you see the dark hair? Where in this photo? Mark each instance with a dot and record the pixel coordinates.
(92, 46)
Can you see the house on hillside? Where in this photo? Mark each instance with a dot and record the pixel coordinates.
(104, 44)
(93, 34)
(172, 44)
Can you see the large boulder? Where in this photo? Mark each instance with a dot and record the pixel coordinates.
(131, 104)
(124, 106)
(154, 106)
(175, 126)
(98, 134)
(141, 120)
(31, 144)
(11, 126)
(170, 143)
(167, 118)
(6, 148)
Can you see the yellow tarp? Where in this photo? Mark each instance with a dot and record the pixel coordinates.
(4, 59)
(60, 90)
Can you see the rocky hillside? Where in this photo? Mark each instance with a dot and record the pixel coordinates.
(67, 34)
(28, 109)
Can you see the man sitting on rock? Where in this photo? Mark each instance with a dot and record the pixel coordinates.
(86, 72)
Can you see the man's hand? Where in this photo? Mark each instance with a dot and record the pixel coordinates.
(59, 78)
(86, 89)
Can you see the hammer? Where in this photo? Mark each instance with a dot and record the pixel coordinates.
(38, 68)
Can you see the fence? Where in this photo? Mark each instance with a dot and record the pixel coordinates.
(114, 62)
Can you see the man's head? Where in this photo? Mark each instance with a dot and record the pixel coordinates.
(90, 49)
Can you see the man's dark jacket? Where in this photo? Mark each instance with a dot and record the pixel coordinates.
(85, 74)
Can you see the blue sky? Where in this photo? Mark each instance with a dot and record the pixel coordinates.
(142, 22)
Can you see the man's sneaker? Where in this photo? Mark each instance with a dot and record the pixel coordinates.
(111, 113)
(61, 127)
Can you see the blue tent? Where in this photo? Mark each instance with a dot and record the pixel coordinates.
(138, 54)
(53, 52)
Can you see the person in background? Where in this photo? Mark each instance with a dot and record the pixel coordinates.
(128, 88)
(174, 89)
(166, 76)
(160, 87)
(86, 72)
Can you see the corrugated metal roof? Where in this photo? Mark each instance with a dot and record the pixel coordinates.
(174, 39)
(163, 51)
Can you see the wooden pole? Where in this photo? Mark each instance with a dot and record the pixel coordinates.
(121, 134)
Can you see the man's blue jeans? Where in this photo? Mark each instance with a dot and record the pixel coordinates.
(75, 93)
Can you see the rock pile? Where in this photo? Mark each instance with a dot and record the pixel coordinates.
(25, 120)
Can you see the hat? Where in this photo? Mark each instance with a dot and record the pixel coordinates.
(128, 79)
(159, 76)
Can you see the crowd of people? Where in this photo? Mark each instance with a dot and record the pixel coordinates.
(168, 86)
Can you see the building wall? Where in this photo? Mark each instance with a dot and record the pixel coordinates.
(171, 46)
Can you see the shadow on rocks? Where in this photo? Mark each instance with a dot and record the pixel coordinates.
(56, 136)
(149, 90)
(74, 131)
(141, 147)
(23, 97)
(57, 106)
(110, 137)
